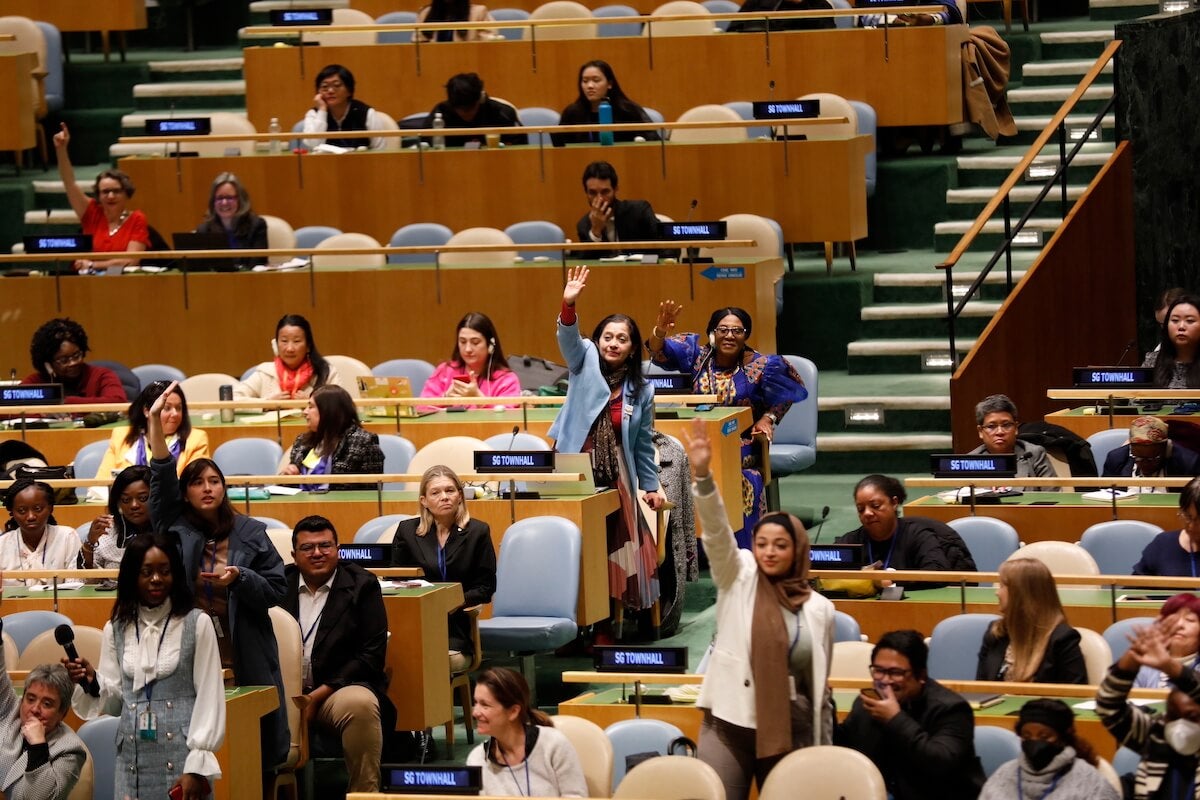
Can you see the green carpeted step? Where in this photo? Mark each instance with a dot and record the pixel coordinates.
(100, 85)
(92, 131)
(190, 95)
(931, 287)
(903, 356)
(968, 203)
(50, 193)
(922, 327)
(1061, 72)
(197, 69)
(894, 421)
(948, 233)
(15, 197)
(185, 103)
(887, 453)
(991, 170)
(1049, 99)
(1057, 45)
(1115, 10)
(1029, 127)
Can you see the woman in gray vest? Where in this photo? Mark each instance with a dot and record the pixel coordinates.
(161, 673)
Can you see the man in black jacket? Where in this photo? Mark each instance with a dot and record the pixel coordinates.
(1151, 454)
(610, 219)
(343, 625)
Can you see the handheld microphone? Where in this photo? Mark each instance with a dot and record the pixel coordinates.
(817, 527)
(65, 635)
(1124, 352)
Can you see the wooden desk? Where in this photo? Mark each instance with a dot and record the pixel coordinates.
(17, 131)
(1064, 522)
(369, 314)
(71, 15)
(818, 195)
(1076, 421)
(240, 756)
(670, 74)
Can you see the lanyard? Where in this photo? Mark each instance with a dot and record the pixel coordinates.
(1045, 794)
(442, 561)
(517, 783)
(892, 546)
(149, 687)
(796, 638)
(212, 567)
(1190, 790)
(313, 627)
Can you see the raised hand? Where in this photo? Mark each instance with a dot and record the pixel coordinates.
(699, 448)
(63, 137)
(576, 281)
(668, 313)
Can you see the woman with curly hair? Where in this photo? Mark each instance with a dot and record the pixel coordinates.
(57, 351)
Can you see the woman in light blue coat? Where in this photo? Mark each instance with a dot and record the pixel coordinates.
(608, 413)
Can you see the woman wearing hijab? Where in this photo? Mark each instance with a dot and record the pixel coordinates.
(773, 644)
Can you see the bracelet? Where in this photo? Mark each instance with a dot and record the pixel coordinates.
(654, 332)
(89, 546)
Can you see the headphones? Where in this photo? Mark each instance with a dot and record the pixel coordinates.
(491, 345)
(712, 340)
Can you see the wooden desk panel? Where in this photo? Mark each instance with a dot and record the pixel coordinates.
(74, 15)
(1086, 424)
(670, 74)
(17, 130)
(818, 195)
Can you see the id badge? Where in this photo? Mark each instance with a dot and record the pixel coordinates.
(307, 672)
(147, 725)
(792, 687)
(216, 621)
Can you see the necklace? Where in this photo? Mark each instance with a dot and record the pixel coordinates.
(112, 229)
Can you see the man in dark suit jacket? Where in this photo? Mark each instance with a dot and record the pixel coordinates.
(611, 219)
(1151, 454)
(343, 625)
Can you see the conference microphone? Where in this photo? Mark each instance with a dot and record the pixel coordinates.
(65, 635)
(691, 209)
(513, 440)
(1125, 352)
(771, 90)
(817, 527)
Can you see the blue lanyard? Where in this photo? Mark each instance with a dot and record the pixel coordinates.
(892, 546)
(313, 627)
(149, 687)
(1175, 781)
(517, 783)
(1045, 794)
(442, 561)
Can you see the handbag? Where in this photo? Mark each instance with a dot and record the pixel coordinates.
(63, 496)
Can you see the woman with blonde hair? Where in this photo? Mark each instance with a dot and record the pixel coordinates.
(451, 547)
(1031, 642)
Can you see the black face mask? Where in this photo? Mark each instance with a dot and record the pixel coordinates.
(1039, 753)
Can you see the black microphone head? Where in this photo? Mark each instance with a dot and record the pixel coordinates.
(695, 202)
(516, 429)
(64, 634)
(824, 513)
(771, 84)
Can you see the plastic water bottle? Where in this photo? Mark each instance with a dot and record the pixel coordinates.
(439, 142)
(606, 137)
(274, 128)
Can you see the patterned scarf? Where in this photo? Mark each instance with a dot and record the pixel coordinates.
(292, 381)
(605, 450)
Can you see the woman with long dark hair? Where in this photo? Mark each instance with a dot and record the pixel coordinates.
(723, 363)
(128, 516)
(1175, 362)
(160, 672)
(335, 443)
(597, 82)
(234, 570)
(298, 367)
(127, 446)
(477, 366)
(230, 214)
(609, 412)
(456, 11)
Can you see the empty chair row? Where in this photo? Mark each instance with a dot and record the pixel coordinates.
(1106, 548)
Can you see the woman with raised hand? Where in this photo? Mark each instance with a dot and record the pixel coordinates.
(127, 447)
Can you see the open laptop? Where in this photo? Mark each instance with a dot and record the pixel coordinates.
(568, 462)
(189, 240)
(388, 386)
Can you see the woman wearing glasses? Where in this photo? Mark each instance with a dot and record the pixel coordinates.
(763, 598)
(106, 217)
(722, 363)
(230, 215)
(1176, 553)
(58, 350)
(335, 109)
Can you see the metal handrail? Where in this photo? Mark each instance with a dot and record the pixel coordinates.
(1002, 198)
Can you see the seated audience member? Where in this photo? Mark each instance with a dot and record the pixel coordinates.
(1031, 642)
(760, 24)
(610, 219)
(597, 82)
(57, 350)
(1150, 454)
(40, 757)
(468, 106)
(477, 366)
(997, 424)
(1175, 361)
(920, 734)
(460, 550)
(127, 446)
(893, 542)
(343, 659)
(456, 11)
(335, 109)
(335, 443)
(1168, 741)
(1053, 760)
(31, 539)
(114, 228)
(1180, 617)
(951, 16)
(297, 370)
(230, 214)
(128, 516)
(1174, 553)
(525, 756)
(1165, 300)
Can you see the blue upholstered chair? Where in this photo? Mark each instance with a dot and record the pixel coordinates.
(397, 453)
(954, 646)
(537, 115)
(416, 370)
(630, 736)
(395, 18)
(995, 746)
(510, 15)
(1117, 635)
(23, 626)
(1104, 442)
(418, 234)
(618, 28)
(845, 628)
(745, 110)
(250, 455)
(1118, 544)
(87, 461)
(313, 235)
(371, 531)
(794, 447)
(990, 540)
(99, 735)
(149, 373)
(537, 231)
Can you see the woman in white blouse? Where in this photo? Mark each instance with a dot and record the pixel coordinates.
(31, 539)
(160, 671)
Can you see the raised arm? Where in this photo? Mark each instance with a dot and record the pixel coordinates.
(155, 438)
(77, 199)
(719, 542)
(664, 327)
(568, 330)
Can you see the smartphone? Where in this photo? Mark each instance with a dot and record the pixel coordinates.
(871, 692)
(176, 792)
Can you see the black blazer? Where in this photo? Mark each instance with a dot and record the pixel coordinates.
(1180, 462)
(470, 560)
(634, 221)
(1062, 663)
(351, 638)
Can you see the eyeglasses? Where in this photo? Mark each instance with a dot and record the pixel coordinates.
(1188, 519)
(119, 190)
(727, 331)
(68, 360)
(225, 198)
(309, 547)
(331, 86)
(992, 427)
(893, 674)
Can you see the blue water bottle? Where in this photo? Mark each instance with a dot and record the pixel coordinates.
(606, 137)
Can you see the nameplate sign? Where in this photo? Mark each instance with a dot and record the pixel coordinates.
(302, 16)
(367, 555)
(681, 231)
(670, 383)
(786, 109)
(32, 394)
(985, 465)
(59, 243)
(1113, 377)
(640, 659)
(836, 556)
(179, 126)
(426, 779)
(514, 461)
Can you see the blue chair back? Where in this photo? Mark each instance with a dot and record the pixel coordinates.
(509, 15)
(522, 585)
(370, 531)
(868, 123)
(1126, 761)
(537, 115)
(149, 373)
(995, 746)
(395, 18)
(630, 736)
(954, 646)
(397, 453)
(250, 455)
(1117, 635)
(416, 370)
(538, 231)
(618, 28)
(55, 81)
(1117, 544)
(129, 381)
(23, 626)
(1104, 442)
(87, 462)
(794, 447)
(842, 22)
(845, 628)
(99, 735)
(313, 235)
(418, 234)
(990, 540)
(745, 110)
(721, 7)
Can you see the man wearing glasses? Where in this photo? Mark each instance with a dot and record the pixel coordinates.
(343, 627)
(997, 423)
(1151, 454)
(918, 733)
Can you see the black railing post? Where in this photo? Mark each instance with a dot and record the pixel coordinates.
(950, 316)
(1008, 242)
(1062, 162)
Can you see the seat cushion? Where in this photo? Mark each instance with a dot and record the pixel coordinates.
(789, 458)
(521, 634)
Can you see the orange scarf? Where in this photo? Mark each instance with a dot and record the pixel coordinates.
(292, 381)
